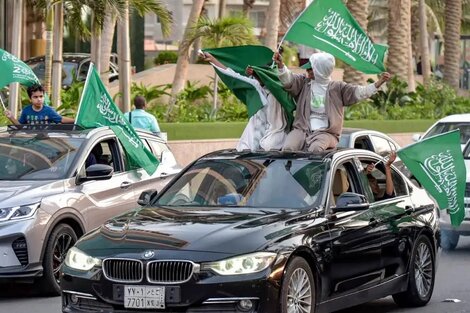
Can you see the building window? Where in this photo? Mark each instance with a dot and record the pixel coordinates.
(258, 18)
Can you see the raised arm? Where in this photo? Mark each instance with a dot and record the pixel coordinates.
(206, 56)
(10, 116)
(389, 188)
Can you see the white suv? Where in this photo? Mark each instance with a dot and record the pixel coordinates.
(52, 192)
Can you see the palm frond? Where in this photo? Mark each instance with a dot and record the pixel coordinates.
(158, 8)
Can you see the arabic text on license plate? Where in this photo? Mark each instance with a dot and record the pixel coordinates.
(144, 297)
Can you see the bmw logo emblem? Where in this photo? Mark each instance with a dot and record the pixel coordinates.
(148, 254)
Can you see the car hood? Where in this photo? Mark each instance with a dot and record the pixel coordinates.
(218, 230)
(13, 193)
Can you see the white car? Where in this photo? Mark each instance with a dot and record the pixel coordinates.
(449, 123)
(449, 234)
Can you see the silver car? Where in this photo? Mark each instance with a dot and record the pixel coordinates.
(56, 185)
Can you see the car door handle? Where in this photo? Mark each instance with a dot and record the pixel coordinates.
(163, 175)
(125, 185)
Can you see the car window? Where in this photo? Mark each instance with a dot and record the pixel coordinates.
(363, 142)
(466, 151)
(440, 128)
(248, 183)
(375, 182)
(160, 149)
(343, 180)
(38, 157)
(382, 146)
(83, 71)
(104, 152)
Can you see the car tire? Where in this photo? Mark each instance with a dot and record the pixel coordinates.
(295, 299)
(62, 238)
(449, 239)
(422, 274)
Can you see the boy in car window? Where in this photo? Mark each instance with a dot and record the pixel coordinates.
(389, 192)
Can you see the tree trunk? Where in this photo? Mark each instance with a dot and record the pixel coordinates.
(358, 9)
(222, 7)
(106, 45)
(95, 47)
(453, 16)
(183, 57)
(411, 65)
(272, 24)
(57, 54)
(125, 61)
(16, 51)
(398, 20)
(423, 33)
(49, 44)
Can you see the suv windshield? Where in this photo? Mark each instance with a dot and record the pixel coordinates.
(258, 183)
(36, 158)
(441, 128)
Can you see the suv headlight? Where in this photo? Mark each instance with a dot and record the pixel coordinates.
(81, 261)
(243, 264)
(18, 212)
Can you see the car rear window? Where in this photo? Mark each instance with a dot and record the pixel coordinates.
(440, 128)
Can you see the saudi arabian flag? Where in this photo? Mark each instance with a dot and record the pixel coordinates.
(329, 26)
(15, 71)
(437, 162)
(237, 59)
(97, 109)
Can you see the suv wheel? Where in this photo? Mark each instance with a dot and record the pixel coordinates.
(62, 238)
(449, 239)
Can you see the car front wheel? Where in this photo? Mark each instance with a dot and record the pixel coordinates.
(449, 239)
(62, 238)
(298, 288)
(421, 276)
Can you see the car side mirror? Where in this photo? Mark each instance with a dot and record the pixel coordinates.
(97, 172)
(146, 196)
(416, 137)
(349, 201)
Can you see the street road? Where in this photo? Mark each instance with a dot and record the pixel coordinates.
(453, 282)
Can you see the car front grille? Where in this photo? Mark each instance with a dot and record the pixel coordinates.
(21, 250)
(169, 272)
(123, 270)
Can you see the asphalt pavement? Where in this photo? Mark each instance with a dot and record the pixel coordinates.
(452, 285)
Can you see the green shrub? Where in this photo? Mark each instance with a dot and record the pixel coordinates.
(165, 57)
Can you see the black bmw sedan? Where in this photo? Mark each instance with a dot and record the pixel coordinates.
(261, 232)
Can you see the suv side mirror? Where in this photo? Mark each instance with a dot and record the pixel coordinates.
(349, 201)
(97, 172)
(146, 196)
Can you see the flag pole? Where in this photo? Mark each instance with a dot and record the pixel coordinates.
(84, 88)
(298, 16)
(3, 104)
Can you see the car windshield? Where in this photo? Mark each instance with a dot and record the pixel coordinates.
(440, 128)
(257, 183)
(67, 69)
(36, 157)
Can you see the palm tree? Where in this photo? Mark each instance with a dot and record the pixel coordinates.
(16, 51)
(142, 7)
(183, 54)
(398, 37)
(227, 31)
(272, 24)
(453, 16)
(358, 9)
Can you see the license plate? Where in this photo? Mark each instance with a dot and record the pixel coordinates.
(144, 297)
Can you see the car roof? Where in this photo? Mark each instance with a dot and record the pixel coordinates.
(456, 118)
(273, 154)
(67, 57)
(61, 131)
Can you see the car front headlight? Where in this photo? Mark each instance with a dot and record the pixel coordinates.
(81, 261)
(18, 212)
(243, 264)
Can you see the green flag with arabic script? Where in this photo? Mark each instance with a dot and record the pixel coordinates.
(437, 162)
(329, 26)
(98, 109)
(15, 71)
